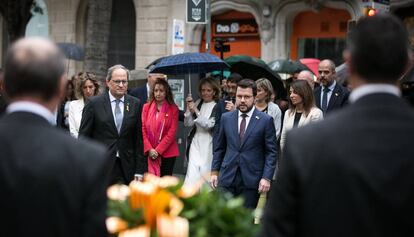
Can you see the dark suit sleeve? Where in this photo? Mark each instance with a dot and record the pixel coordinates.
(219, 148)
(95, 202)
(281, 212)
(271, 150)
(141, 163)
(87, 121)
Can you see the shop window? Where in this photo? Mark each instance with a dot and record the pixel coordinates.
(322, 48)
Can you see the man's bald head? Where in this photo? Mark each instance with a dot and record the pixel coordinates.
(307, 76)
(33, 67)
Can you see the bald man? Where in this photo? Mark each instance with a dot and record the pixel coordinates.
(330, 95)
(52, 184)
(307, 76)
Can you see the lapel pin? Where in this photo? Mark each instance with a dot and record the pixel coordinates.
(127, 107)
(257, 117)
(336, 94)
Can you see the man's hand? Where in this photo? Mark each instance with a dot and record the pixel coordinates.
(229, 105)
(213, 181)
(264, 186)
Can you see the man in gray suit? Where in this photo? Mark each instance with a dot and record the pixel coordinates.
(51, 184)
(352, 175)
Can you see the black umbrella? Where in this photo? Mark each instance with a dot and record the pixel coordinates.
(287, 66)
(72, 51)
(254, 68)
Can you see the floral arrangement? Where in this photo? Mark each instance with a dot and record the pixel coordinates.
(163, 207)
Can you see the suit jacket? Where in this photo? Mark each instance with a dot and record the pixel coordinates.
(255, 155)
(141, 93)
(351, 175)
(339, 98)
(75, 116)
(168, 146)
(98, 123)
(314, 115)
(52, 185)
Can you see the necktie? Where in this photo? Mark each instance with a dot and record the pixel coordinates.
(118, 115)
(242, 126)
(324, 105)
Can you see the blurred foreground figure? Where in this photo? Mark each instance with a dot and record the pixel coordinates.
(51, 184)
(352, 174)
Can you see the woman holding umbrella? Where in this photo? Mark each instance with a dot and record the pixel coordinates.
(201, 117)
(159, 129)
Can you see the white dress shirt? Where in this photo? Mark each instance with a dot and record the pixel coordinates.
(31, 107)
(249, 115)
(364, 90)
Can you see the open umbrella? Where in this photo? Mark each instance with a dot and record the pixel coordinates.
(187, 63)
(72, 51)
(254, 68)
(149, 66)
(312, 64)
(287, 66)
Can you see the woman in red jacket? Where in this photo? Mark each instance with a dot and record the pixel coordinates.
(159, 128)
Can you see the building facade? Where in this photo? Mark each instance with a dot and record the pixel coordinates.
(282, 29)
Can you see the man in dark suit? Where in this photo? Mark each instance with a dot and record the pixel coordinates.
(352, 175)
(114, 119)
(330, 95)
(52, 185)
(3, 100)
(142, 92)
(245, 156)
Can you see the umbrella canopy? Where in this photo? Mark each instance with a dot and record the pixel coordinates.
(254, 68)
(189, 63)
(312, 64)
(72, 51)
(153, 63)
(287, 66)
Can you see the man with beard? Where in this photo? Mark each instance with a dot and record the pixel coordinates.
(245, 156)
(330, 95)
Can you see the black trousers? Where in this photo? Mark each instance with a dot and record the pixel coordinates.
(167, 166)
(237, 188)
(117, 173)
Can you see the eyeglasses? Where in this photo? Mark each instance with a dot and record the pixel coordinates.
(118, 82)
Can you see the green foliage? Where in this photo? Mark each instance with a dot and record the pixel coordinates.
(123, 210)
(218, 214)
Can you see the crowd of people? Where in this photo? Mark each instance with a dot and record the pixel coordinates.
(331, 156)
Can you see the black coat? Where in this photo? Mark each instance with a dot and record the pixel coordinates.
(51, 184)
(349, 175)
(98, 123)
(339, 98)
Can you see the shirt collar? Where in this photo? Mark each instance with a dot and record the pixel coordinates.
(331, 87)
(112, 98)
(31, 107)
(364, 90)
(249, 114)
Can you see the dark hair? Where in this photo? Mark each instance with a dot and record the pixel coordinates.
(234, 78)
(248, 83)
(304, 90)
(378, 47)
(213, 84)
(168, 94)
(28, 72)
(72, 95)
(82, 77)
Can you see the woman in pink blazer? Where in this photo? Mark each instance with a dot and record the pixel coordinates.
(159, 128)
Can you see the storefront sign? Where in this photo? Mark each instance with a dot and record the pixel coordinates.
(236, 28)
(196, 11)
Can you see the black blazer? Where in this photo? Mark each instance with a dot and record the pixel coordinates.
(339, 97)
(51, 184)
(141, 93)
(350, 175)
(98, 123)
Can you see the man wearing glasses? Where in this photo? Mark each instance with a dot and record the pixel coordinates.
(114, 118)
